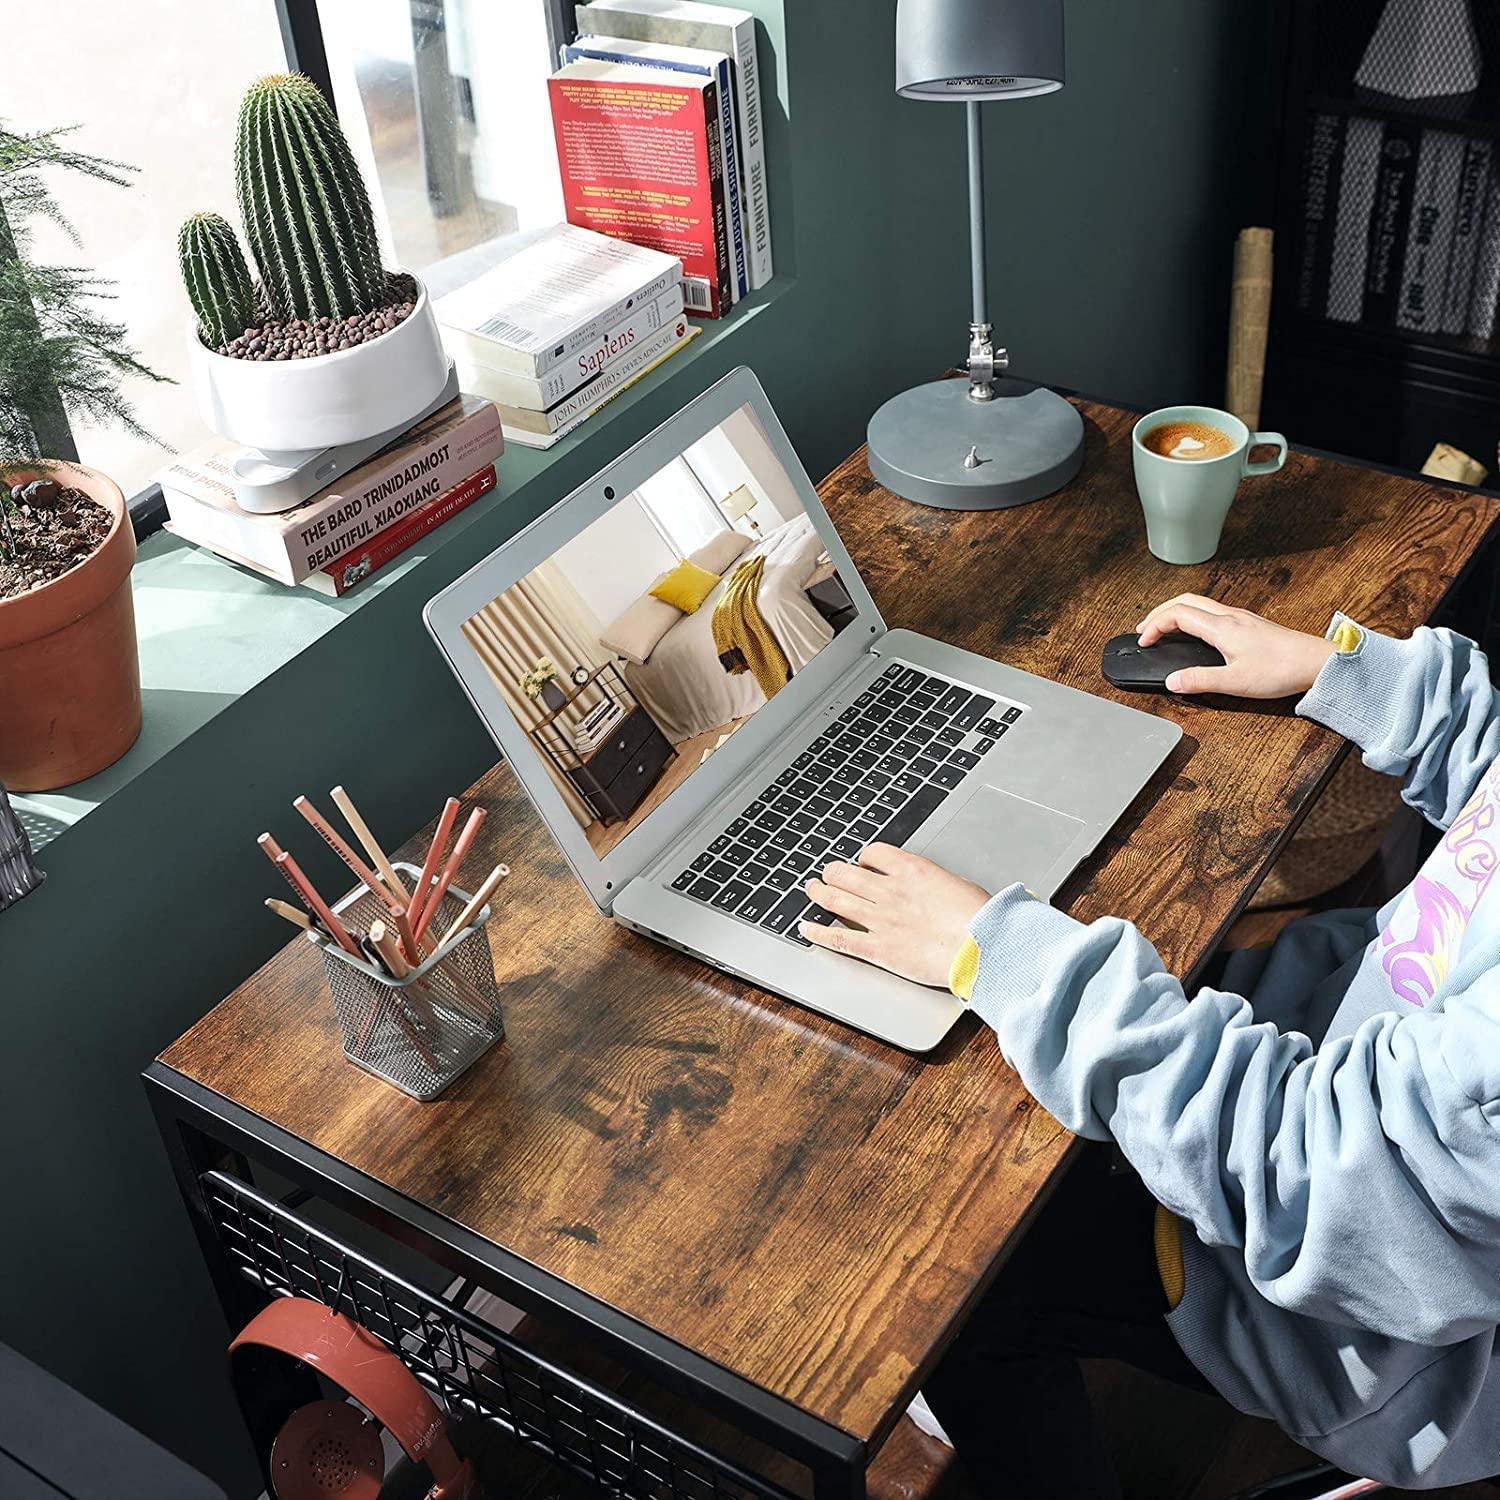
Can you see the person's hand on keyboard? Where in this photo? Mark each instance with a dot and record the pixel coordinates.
(906, 914)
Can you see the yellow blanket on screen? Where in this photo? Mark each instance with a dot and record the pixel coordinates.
(740, 631)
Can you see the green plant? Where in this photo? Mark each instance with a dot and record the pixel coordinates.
(59, 355)
(216, 276)
(303, 203)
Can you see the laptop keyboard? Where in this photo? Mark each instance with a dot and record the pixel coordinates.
(877, 773)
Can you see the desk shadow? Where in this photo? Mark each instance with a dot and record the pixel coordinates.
(1285, 522)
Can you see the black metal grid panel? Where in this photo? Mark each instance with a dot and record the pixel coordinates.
(473, 1368)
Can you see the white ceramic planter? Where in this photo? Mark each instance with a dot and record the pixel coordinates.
(296, 404)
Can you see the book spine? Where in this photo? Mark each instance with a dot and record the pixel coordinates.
(1351, 235)
(1389, 221)
(750, 134)
(1319, 199)
(1482, 304)
(581, 403)
(714, 150)
(538, 394)
(341, 575)
(1424, 277)
(1468, 226)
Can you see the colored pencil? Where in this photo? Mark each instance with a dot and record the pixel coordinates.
(294, 915)
(361, 871)
(307, 893)
(461, 846)
(368, 842)
(397, 1000)
(477, 903)
(441, 834)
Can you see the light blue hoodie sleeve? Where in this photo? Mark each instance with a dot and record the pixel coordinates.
(1357, 1182)
(1423, 709)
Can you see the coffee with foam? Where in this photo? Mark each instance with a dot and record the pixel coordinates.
(1187, 440)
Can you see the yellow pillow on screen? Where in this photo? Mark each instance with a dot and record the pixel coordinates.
(686, 587)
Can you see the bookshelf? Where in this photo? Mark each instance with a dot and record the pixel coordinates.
(1359, 382)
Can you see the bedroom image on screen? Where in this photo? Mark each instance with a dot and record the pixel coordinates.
(642, 644)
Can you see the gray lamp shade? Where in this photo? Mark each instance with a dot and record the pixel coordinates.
(978, 49)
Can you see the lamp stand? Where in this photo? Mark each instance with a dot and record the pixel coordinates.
(992, 443)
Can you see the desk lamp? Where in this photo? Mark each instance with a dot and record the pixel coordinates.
(992, 441)
(737, 505)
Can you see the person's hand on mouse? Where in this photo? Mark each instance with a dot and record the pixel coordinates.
(909, 915)
(1261, 659)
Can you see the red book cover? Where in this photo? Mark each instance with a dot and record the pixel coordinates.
(339, 576)
(640, 158)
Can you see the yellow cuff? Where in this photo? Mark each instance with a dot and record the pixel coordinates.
(1347, 637)
(965, 970)
(1168, 1236)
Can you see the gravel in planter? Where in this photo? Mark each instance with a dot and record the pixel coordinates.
(299, 338)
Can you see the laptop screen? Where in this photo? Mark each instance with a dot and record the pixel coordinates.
(632, 654)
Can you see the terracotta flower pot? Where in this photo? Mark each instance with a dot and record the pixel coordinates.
(70, 681)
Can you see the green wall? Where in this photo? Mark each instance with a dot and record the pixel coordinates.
(1114, 206)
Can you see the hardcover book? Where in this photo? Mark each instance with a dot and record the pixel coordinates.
(1390, 219)
(1486, 295)
(1320, 196)
(460, 440)
(717, 28)
(640, 158)
(1351, 233)
(543, 304)
(1424, 279)
(708, 64)
(1468, 229)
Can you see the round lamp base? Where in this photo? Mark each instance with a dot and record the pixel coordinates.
(1026, 442)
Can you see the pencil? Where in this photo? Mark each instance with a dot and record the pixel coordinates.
(461, 847)
(477, 903)
(396, 1000)
(446, 820)
(294, 915)
(345, 804)
(385, 944)
(291, 872)
(362, 872)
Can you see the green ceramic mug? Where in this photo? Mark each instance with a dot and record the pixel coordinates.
(1187, 499)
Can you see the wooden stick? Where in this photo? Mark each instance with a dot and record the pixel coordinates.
(307, 893)
(367, 840)
(362, 872)
(477, 903)
(461, 846)
(446, 820)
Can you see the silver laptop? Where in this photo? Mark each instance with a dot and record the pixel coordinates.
(698, 764)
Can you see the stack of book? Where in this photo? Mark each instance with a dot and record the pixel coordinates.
(596, 727)
(1401, 227)
(361, 521)
(657, 118)
(555, 331)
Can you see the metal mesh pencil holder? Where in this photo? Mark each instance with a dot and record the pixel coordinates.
(421, 1032)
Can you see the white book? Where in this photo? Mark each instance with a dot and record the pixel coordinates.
(716, 28)
(1482, 304)
(538, 392)
(1424, 277)
(1468, 229)
(563, 418)
(1351, 233)
(560, 293)
(700, 61)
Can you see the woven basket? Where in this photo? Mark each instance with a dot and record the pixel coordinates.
(1337, 838)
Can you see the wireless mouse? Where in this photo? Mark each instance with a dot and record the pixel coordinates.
(1127, 664)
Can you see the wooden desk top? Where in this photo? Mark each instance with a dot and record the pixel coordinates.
(808, 1207)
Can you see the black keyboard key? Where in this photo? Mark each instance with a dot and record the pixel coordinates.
(758, 872)
(758, 903)
(786, 803)
(702, 862)
(703, 890)
(973, 711)
(862, 795)
(845, 812)
(913, 815)
(879, 743)
(950, 736)
(891, 797)
(785, 913)
(846, 847)
(1000, 729)
(830, 828)
(934, 719)
(892, 672)
(921, 733)
(737, 827)
(789, 837)
(921, 702)
(923, 768)
(782, 879)
(803, 761)
(815, 775)
(755, 837)
(739, 855)
(684, 880)
(863, 760)
(1010, 715)
(720, 844)
(906, 715)
(908, 781)
(770, 820)
(953, 699)
(732, 894)
(989, 726)
(799, 791)
(868, 696)
(819, 807)
(907, 751)
(720, 871)
(862, 726)
(799, 862)
(784, 780)
(908, 679)
(966, 759)
(864, 830)
(879, 712)
(756, 809)
(984, 747)
(799, 822)
(877, 781)
(889, 765)
(949, 776)
(815, 846)
(875, 813)
(820, 744)
(848, 742)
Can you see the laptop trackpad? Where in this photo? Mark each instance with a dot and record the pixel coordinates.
(994, 838)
